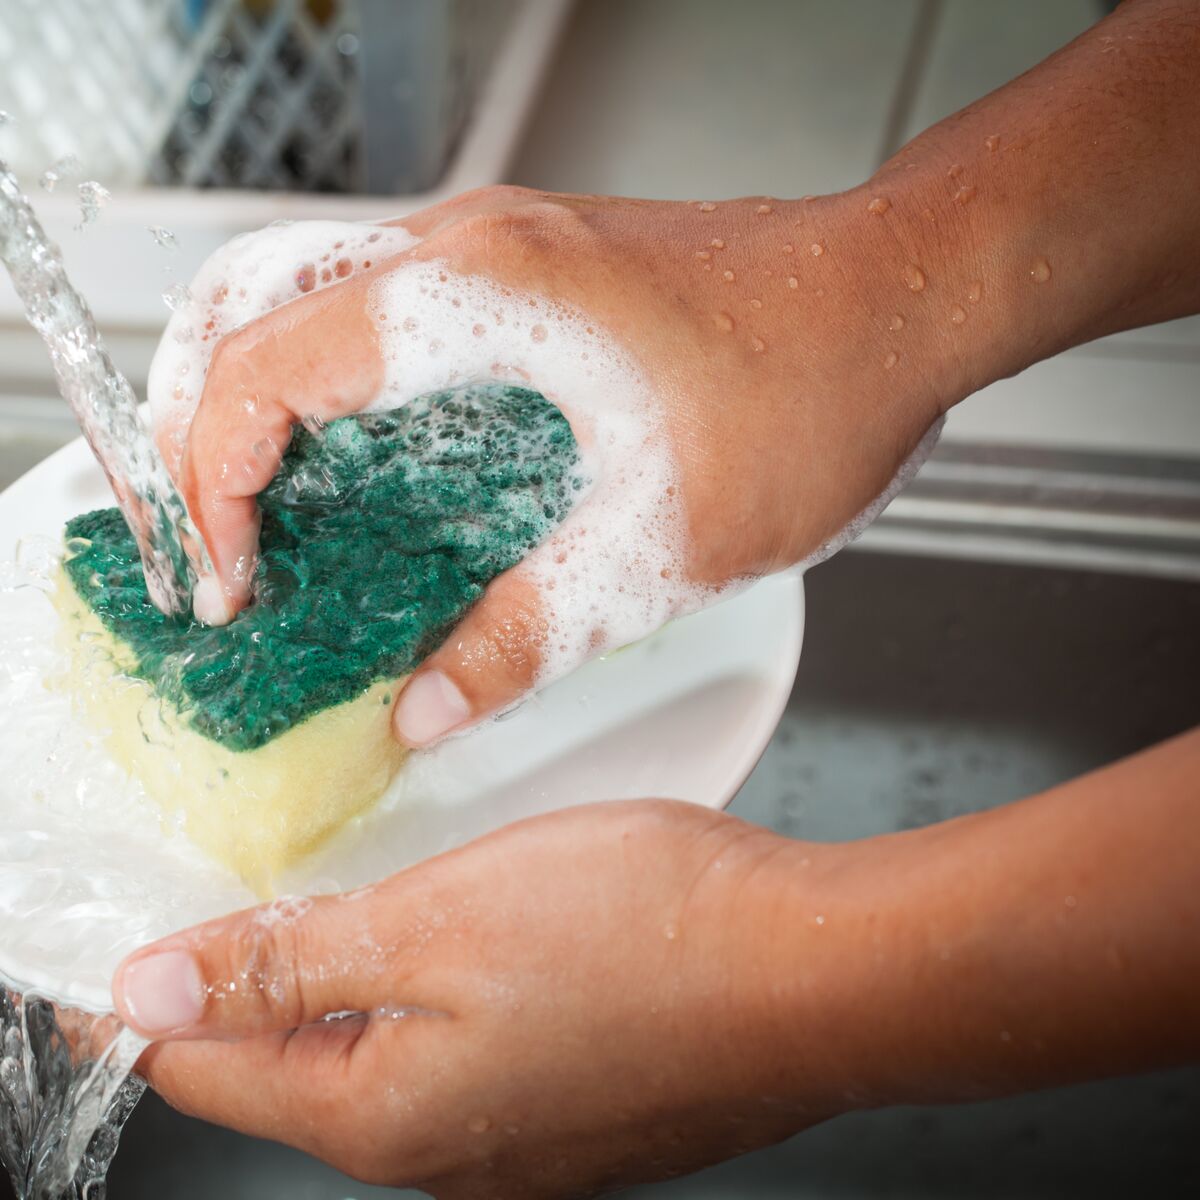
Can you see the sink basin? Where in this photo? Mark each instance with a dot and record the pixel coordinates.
(928, 688)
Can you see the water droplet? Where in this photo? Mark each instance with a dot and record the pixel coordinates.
(670, 932)
(808, 199)
(6, 118)
(756, 303)
(729, 276)
(479, 1124)
(892, 359)
(64, 168)
(708, 206)
(914, 277)
(757, 344)
(958, 314)
(177, 296)
(955, 171)
(717, 243)
(975, 291)
(538, 333)
(163, 237)
(788, 248)
(764, 209)
(1070, 901)
(1040, 271)
(724, 322)
(964, 195)
(879, 205)
(897, 322)
(793, 282)
(820, 918)
(93, 197)
(929, 215)
(342, 267)
(306, 277)
(704, 254)
(816, 249)
(992, 141)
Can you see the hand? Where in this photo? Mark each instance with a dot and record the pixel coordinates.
(573, 1003)
(759, 331)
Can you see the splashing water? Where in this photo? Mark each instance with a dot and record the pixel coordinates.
(65, 1094)
(102, 400)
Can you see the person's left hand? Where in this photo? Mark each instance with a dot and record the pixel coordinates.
(575, 1002)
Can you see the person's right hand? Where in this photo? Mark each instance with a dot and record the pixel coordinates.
(790, 366)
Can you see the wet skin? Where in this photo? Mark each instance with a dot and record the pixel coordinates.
(579, 1044)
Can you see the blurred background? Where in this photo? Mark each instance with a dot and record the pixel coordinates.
(1028, 609)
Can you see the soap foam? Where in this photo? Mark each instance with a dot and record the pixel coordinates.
(247, 277)
(616, 568)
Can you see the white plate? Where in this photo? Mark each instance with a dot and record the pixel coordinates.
(87, 875)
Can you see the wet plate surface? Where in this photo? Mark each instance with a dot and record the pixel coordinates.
(87, 872)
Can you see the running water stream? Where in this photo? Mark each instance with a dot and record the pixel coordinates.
(65, 1087)
(102, 400)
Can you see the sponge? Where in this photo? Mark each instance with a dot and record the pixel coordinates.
(264, 736)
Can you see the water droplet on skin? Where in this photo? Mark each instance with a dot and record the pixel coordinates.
(724, 322)
(670, 933)
(892, 359)
(708, 206)
(729, 276)
(992, 141)
(717, 243)
(808, 199)
(756, 303)
(1070, 901)
(878, 206)
(955, 171)
(914, 277)
(538, 333)
(793, 282)
(897, 322)
(929, 215)
(705, 255)
(306, 277)
(758, 345)
(816, 249)
(764, 209)
(958, 314)
(1040, 271)
(479, 1124)
(964, 195)
(789, 248)
(975, 291)
(820, 918)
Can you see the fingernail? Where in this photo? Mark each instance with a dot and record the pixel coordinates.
(209, 603)
(163, 993)
(429, 708)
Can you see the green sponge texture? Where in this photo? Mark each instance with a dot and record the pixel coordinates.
(378, 533)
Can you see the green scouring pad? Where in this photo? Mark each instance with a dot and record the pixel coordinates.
(378, 533)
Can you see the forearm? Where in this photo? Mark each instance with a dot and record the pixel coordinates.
(1040, 943)
(1064, 206)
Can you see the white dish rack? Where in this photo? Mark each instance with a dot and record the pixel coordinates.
(123, 273)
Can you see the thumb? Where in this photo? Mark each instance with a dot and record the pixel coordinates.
(486, 664)
(263, 970)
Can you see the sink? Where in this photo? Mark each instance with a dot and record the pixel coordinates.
(928, 687)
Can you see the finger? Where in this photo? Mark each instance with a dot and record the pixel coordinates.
(488, 662)
(264, 970)
(318, 356)
(269, 1086)
(496, 198)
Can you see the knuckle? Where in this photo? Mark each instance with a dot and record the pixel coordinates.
(263, 969)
